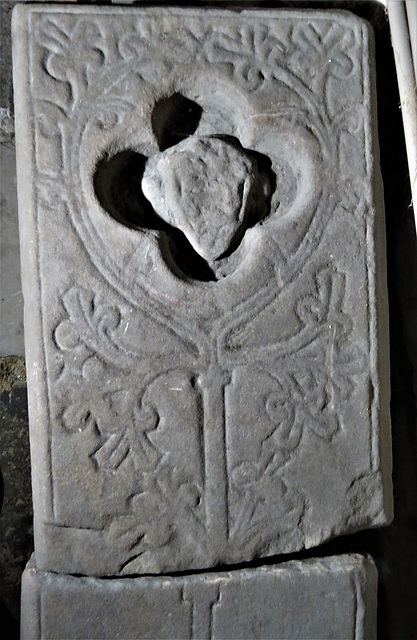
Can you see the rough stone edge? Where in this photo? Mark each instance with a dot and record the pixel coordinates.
(361, 569)
(31, 286)
(62, 6)
(381, 295)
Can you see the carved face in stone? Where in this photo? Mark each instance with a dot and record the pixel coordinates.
(207, 187)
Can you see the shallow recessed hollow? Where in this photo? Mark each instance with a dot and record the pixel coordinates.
(117, 185)
(174, 119)
(211, 188)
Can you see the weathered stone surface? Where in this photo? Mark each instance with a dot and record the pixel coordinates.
(335, 598)
(203, 186)
(189, 408)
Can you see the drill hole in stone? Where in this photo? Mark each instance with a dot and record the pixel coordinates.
(174, 119)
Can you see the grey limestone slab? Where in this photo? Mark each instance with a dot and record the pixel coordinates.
(333, 598)
(203, 269)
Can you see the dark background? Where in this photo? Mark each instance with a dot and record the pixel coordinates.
(393, 548)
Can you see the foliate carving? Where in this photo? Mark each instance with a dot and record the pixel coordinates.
(75, 53)
(166, 443)
(322, 50)
(262, 47)
(162, 515)
(211, 353)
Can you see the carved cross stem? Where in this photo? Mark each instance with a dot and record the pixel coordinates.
(212, 384)
(202, 603)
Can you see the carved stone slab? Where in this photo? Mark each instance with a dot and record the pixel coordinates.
(336, 598)
(203, 266)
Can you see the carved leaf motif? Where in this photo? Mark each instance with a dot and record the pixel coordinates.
(169, 504)
(269, 493)
(52, 35)
(92, 321)
(95, 400)
(288, 431)
(167, 508)
(88, 40)
(137, 44)
(113, 452)
(319, 313)
(73, 56)
(321, 50)
(95, 396)
(317, 409)
(124, 416)
(144, 42)
(309, 399)
(249, 50)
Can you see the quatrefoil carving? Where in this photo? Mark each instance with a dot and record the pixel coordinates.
(203, 192)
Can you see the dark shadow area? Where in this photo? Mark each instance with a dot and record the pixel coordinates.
(1, 490)
(117, 185)
(9, 623)
(182, 257)
(174, 119)
(16, 527)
